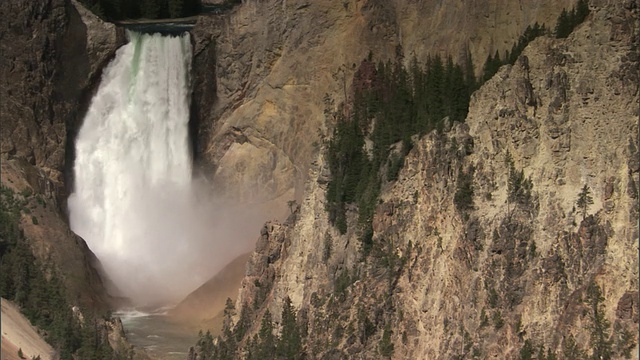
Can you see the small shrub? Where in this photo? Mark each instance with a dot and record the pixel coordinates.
(386, 346)
(570, 349)
(493, 298)
(625, 343)
(599, 327)
(342, 282)
(395, 164)
(584, 200)
(484, 319)
(463, 198)
(327, 246)
(526, 352)
(533, 251)
(568, 20)
(519, 187)
(498, 322)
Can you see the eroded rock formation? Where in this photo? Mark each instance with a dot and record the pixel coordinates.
(266, 72)
(481, 283)
(53, 55)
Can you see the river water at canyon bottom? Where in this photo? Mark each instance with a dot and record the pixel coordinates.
(157, 335)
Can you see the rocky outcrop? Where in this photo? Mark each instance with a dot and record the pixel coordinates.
(513, 270)
(269, 70)
(51, 60)
(53, 54)
(204, 307)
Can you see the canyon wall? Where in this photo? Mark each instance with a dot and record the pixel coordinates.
(53, 55)
(517, 270)
(266, 72)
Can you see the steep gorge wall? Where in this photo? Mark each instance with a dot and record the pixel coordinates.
(453, 285)
(53, 55)
(266, 72)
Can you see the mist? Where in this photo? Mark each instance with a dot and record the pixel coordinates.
(172, 241)
(158, 233)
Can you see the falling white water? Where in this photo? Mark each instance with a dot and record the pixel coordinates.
(134, 202)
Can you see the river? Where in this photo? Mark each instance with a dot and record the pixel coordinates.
(157, 335)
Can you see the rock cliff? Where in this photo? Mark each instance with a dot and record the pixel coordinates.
(53, 54)
(525, 267)
(266, 72)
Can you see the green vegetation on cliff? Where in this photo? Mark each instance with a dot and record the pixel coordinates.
(568, 20)
(493, 63)
(390, 104)
(148, 9)
(566, 23)
(266, 344)
(39, 292)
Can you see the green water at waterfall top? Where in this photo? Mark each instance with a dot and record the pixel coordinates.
(135, 38)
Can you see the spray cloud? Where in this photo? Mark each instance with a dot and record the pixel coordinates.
(156, 233)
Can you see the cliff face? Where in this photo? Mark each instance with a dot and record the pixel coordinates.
(510, 271)
(53, 53)
(266, 72)
(52, 57)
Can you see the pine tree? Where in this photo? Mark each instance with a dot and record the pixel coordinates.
(150, 9)
(491, 66)
(229, 312)
(584, 200)
(519, 187)
(460, 94)
(435, 86)
(497, 62)
(175, 8)
(526, 352)
(463, 198)
(244, 322)
(582, 11)
(130, 9)
(469, 73)
(266, 347)
(563, 25)
(599, 327)
(290, 342)
(386, 346)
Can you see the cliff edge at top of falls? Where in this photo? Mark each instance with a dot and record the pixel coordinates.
(53, 52)
(266, 72)
(510, 276)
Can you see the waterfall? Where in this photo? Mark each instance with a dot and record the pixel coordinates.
(133, 197)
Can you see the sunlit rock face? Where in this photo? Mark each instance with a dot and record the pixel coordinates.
(451, 286)
(275, 67)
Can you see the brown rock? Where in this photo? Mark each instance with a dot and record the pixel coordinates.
(628, 307)
(53, 53)
(274, 62)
